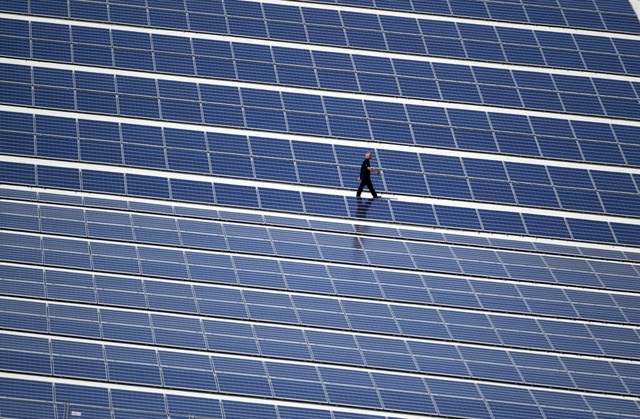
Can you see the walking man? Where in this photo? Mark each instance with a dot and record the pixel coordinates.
(365, 176)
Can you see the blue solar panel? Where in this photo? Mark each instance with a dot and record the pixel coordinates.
(180, 236)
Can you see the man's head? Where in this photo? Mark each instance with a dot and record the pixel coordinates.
(368, 155)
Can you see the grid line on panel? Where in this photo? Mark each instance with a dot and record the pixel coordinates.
(512, 37)
(346, 368)
(504, 260)
(180, 237)
(205, 212)
(580, 298)
(625, 333)
(538, 222)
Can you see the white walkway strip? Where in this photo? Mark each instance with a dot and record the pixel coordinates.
(342, 50)
(444, 18)
(318, 189)
(636, 6)
(399, 226)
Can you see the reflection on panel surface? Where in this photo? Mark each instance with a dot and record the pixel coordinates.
(294, 161)
(317, 203)
(181, 237)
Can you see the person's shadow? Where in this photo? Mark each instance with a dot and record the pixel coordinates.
(362, 207)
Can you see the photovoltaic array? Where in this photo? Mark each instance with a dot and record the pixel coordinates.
(181, 237)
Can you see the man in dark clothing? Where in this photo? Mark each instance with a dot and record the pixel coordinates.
(365, 176)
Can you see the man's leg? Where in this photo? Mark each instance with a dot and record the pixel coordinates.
(371, 189)
(361, 187)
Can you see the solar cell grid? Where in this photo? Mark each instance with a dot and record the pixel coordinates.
(405, 179)
(78, 297)
(277, 235)
(116, 304)
(245, 70)
(216, 142)
(294, 31)
(224, 197)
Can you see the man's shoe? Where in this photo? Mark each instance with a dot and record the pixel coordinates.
(378, 196)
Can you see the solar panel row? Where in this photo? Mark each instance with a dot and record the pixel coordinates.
(273, 160)
(342, 27)
(163, 256)
(313, 203)
(371, 229)
(362, 354)
(333, 71)
(593, 14)
(38, 398)
(541, 333)
(295, 243)
(533, 136)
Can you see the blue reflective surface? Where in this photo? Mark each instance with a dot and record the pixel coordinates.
(362, 30)
(180, 239)
(322, 204)
(410, 173)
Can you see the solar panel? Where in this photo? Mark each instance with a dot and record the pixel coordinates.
(180, 236)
